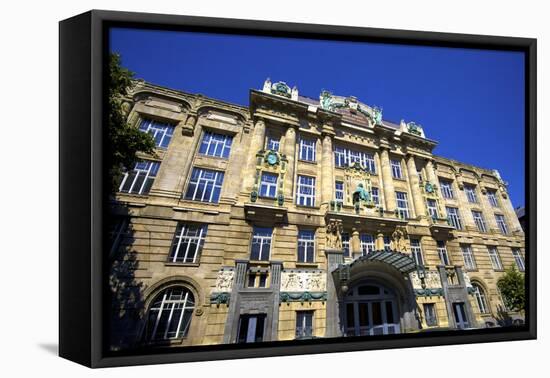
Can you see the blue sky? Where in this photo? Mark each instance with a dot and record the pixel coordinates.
(470, 101)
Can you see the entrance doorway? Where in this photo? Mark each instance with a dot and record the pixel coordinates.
(461, 320)
(371, 309)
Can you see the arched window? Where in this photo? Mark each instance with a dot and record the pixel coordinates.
(170, 314)
(481, 299)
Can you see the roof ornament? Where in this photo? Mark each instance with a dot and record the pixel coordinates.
(377, 115)
(280, 88)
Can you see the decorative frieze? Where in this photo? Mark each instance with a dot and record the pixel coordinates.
(431, 285)
(224, 281)
(303, 281)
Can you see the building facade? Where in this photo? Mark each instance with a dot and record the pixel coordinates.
(297, 218)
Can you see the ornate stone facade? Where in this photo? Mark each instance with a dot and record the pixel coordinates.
(298, 217)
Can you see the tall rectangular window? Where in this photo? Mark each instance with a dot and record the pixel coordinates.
(429, 314)
(446, 189)
(339, 190)
(402, 205)
(454, 217)
(471, 193)
(305, 192)
(468, 256)
(367, 244)
(432, 208)
(492, 196)
(307, 149)
(387, 244)
(442, 252)
(268, 185)
(304, 324)
(161, 132)
(272, 143)
(140, 179)
(213, 144)
(479, 221)
(118, 228)
(396, 169)
(205, 185)
(416, 251)
(518, 259)
(375, 195)
(251, 328)
(345, 244)
(501, 223)
(306, 246)
(261, 243)
(495, 258)
(188, 242)
(344, 157)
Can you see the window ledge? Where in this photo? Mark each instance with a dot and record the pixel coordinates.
(260, 262)
(306, 265)
(169, 263)
(308, 207)
(308, 161)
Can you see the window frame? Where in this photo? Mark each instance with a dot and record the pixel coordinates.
(185, 309)
(214, 196)
(494, 257)
(268, 185)
(262, 241)
(416, 251)
(338, 191)
(446, 187)
(367, 243)
(150, 171)
(470, 261)
(403, 212)
(226, 144)
(433, 322)
(471, 194)
(516, 253)
(454, 217)
(178, 241)
(481, 299)
(396, 169)
(303, 199)
(343, 157)
(308, 245)
(443, 252)
(166, 128)
(306, 151)
(501, 223)
(305, 314)
(479, 220)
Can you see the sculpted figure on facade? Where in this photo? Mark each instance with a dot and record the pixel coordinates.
(398, 242)
(334, 234)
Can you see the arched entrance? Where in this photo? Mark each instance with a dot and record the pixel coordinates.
(370, 308)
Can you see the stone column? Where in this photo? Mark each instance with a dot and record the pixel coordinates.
(256, 144)
(418, 199)
(276, 268)
(355, 244)
(432, 178)
(389, 190)
(289, 149)
(327, 162)
(334, 259)
(379, 243)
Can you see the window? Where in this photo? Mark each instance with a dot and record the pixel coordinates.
(454, 217)
(306, 246)
(419, 173)
(519, 259)
(501, 223)
(161, 132)
(305, 193)
(251, 328)
(273, 143)
(213, 144)
(469, 262)
(345, 244)
(205, 185)
(307, 149)
(492, 196)
(375, 195)
(495, 258)
(140, 179)
(481, 299)
(170, 314)
(416, 251)
(502, 300)
(429, 314)
(367, 244)
(387, 244)
(261, 243)
(446, 189)
(396, 169)
(344, 157)
(402, 205)
(268, 185)
(118, 227)
(470, 193)
(432, 208)
(339, 190)
(442, 252)
(257, 279)
(304, 324)
(187, 244)
(478, 219)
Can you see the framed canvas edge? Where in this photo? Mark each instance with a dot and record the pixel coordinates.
(99, 20)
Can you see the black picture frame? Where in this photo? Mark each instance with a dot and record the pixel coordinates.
(83, 41)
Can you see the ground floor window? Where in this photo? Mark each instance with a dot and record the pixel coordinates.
(170, 314)
(304, 324)
(251, 328)
(459, 312)
(430, 315)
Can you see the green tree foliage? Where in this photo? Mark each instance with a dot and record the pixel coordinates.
(512, 287)
(125, 141)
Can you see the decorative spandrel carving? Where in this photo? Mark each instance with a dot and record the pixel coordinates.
(224, 282)
(399, 237)
(300, 281)
(432, 280)
(334, 234)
